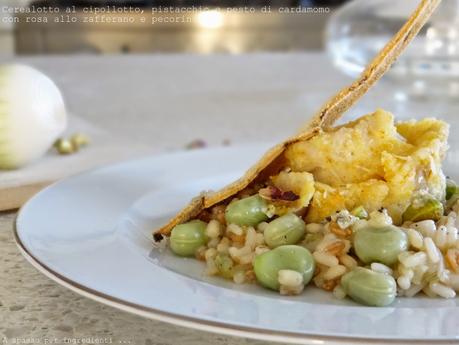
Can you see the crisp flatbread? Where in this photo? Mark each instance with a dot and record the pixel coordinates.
(273, 160)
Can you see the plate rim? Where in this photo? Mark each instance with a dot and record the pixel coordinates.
(197, 324)
(177, 319)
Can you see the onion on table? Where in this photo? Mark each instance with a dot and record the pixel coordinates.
(32, 115)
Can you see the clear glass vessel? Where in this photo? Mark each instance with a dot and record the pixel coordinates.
(429, 67)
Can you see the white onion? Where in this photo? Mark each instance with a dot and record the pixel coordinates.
(32, 115)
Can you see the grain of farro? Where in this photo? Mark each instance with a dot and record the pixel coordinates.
(415, 259)
(347, 246)
(454, 281)
(440, 237)
(259, 239)
(402, 270)
(213, 229)
(211, 268)
(428, 291)
(223, 247)
(235, 229)
(318, 280)
(443, 276)
(210, 253)
(246, 259)
(413, 290)
(326, 240)
(431, 250)
(329, 285)
(200, 253)
(338, 231)
(213, 243)
(415, 238)
(419, 272)
(381, 268)
(335, 248)
(452, 259)
(289, 278)
(334, 272)
(250, 275)
(239, 277)
(347, 261)
(251, 238)
(237, 253)
(404, 282)
(236, 239)
(451, 236)
(314, 228)
(442, 290)
(291, 291)
(261, 249)
(426, 227)
(325, 258)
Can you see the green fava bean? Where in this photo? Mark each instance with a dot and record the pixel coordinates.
(360, 212)
(248, 211)
(369, 287)
(428, 209)
(451, 188)
(291, 257)
(188, 237)
(380, 244)
(288, 229)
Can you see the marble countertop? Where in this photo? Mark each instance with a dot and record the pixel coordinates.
(164, 102)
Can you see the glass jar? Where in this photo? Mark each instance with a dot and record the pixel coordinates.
(430, 65)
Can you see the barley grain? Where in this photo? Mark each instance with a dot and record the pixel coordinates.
(415, 238)
(413, 260)
(235, 229)
(251, 238)
(442, 290)
(404, 282)
(334, 272)
(314, 228)
(431, 250)
(381, 268)
(440, 237)
(210, 253)
(289, 278)
(426, 227)
(325, 259)
(348, 261)
(213, 229)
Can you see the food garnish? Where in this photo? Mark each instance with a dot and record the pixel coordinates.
(363, 209)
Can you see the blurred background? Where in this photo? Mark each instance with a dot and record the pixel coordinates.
(198, 26)
(134, 72)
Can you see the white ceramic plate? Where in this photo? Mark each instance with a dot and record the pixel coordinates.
(92, 234)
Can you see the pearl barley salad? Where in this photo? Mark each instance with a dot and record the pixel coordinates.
(363, 211)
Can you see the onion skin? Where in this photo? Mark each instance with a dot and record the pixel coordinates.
(32, 115)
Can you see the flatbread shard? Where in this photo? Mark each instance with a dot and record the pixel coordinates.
(269, 164)
(272, 161)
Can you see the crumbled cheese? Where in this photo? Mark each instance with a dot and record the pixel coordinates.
(344, 219)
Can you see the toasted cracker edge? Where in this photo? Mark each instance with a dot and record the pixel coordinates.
(322, 120)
